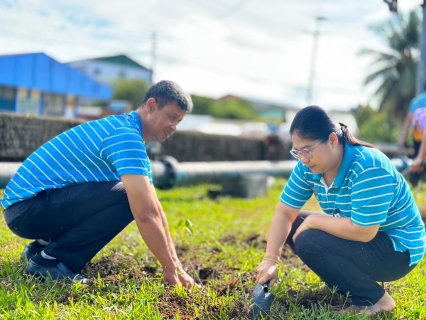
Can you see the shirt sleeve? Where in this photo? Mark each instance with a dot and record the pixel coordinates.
(372, 193)
(297, 191)
(412, 106)
(419, 118)
(126, 151)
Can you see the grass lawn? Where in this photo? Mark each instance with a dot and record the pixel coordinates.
(220, 242)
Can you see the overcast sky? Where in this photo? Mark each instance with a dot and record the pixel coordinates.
(253, 48)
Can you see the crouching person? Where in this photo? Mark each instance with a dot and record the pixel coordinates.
(75, 193)
(370, 229)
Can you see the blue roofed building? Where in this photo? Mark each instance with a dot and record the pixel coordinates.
(36, 84)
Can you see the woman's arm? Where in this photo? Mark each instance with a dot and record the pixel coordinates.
(280, 228)
(340, 227)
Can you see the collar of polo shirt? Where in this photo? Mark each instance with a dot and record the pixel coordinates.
(347, 161)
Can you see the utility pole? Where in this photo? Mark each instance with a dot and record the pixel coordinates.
(421, 83)
(392, 5)
(316, 35)
(153, 55)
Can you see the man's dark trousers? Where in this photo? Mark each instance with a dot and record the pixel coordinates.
(79, 219)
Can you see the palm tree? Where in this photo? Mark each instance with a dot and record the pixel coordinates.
(396, 70)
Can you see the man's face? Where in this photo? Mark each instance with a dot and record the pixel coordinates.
(163, 122)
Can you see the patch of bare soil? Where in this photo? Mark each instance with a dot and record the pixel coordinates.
(171, 304)
(308, 298)
(288, 257)
(116, 266)
(220, 277)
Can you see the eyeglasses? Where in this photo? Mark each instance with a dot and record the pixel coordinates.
(305, 152)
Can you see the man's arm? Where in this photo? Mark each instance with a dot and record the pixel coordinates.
(149, 219)
(183, 276)
(418, 161)
(405, 129)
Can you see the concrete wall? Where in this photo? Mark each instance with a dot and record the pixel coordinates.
(21, 135)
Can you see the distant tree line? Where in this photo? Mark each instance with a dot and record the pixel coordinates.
(134, 90)
(229, 108)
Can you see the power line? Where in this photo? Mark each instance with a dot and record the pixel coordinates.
(48, 39)
(249, 15)
(250, 77)
(233, 9)
(32, 21)
(153, 55)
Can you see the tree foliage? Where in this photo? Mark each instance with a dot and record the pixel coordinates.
(362, 114)
(378, 127)
(202, 105)
(395, 70)
(236, 109)
(132, 90)
(232, 108)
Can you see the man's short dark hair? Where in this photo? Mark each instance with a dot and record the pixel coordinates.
(166, 92)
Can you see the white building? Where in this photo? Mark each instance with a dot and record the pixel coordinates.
(108, 69)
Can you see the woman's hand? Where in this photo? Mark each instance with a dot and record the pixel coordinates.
(303, 227)
(268, 270)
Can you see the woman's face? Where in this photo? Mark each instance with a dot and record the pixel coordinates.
(324, 157)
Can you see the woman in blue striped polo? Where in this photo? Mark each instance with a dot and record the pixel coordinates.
(370, 229)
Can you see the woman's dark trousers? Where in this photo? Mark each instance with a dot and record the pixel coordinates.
(351, 266)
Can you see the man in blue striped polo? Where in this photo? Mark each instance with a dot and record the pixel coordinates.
(79, 190)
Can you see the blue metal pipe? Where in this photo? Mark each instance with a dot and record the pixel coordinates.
(168, 172)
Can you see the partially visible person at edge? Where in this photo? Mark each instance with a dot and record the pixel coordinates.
(419, 124)
(417, 103)
(79, 190)
(370, 229)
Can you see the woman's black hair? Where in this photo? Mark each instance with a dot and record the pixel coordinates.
(313, 123)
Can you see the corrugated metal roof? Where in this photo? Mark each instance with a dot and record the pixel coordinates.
(119, 59)
(39, 71)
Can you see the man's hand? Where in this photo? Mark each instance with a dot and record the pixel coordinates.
(268, 270)
(171, 276)
(402, 142)
(417, 165)
(185, 279)
(175, 276)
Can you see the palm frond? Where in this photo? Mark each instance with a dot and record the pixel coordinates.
(385, 72)
(394, 70)
(378, 54)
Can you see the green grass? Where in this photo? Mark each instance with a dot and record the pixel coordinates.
(220, 242)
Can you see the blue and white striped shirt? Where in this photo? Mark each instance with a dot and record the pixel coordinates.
(95, 151)
(370, 191)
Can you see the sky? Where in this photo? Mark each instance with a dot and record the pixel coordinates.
(257, 49)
